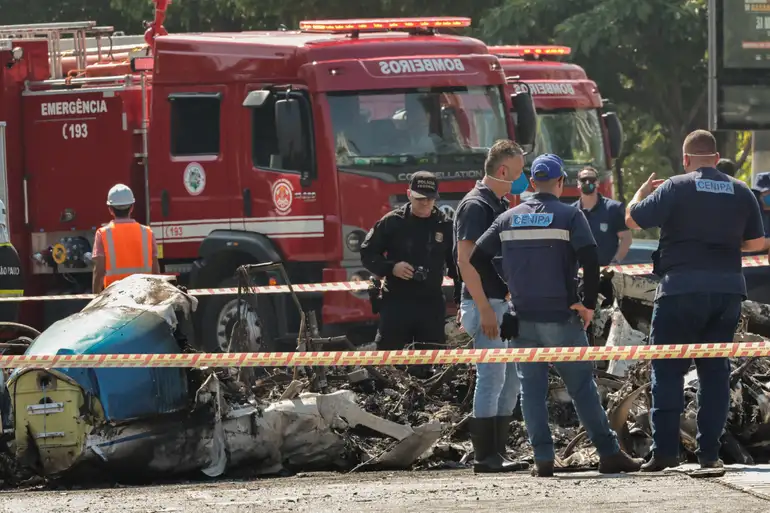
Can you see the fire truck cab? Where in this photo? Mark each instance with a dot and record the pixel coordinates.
(573, 121)
(251, 147)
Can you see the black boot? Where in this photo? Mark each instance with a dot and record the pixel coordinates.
(483, 437)
(502, 429)
(659, 463)
(619, 462)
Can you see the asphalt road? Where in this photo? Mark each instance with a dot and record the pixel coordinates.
(425, 492)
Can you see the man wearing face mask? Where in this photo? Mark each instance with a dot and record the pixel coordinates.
(606, 217)
(483, 305)
(706, 219)
(410, 247)
(542, 242)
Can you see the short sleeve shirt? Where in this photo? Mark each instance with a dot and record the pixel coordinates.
(704, 218)
(472, 219)
(607, 220)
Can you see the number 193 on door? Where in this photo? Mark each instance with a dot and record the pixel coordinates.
(74, 131)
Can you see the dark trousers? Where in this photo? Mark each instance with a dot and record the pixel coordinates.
(692, 319)
(404, 320)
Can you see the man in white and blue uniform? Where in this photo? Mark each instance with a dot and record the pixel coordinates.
(706, 219)
(542, 241)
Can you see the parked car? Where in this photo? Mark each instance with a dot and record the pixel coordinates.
(757, 278)
(641, 251)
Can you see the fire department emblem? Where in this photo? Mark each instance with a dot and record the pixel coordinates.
(283, 195)
(439, 237)
(194, 178)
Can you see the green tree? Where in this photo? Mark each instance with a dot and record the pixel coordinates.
(216, 15)
(649, 55)
(13, 12)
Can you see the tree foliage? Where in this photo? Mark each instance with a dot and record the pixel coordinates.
(648, 55)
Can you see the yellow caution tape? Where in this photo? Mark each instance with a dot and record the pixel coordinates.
(383, 358)
(348, 286)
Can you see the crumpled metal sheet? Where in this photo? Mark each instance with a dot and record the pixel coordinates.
(149, 293)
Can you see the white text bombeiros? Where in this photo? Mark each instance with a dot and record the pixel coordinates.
(400, 66)
(545, 88)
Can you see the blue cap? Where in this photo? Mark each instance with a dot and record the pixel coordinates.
(762, 182)
(547, 167)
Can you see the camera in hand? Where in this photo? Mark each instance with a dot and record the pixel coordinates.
(420, 274)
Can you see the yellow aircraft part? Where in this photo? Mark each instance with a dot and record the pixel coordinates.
(50, 411)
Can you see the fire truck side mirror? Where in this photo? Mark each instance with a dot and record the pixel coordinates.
(293, 145)
(615, 133)
(525, 120)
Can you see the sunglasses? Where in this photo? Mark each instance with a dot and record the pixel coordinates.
(587, 179)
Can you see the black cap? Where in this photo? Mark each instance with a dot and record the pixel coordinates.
(424, 185)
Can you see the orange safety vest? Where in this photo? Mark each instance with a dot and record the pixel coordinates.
(127, 250)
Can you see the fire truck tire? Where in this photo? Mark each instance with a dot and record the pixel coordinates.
(11, 282)
(219, 317)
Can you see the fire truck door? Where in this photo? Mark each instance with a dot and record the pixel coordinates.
(193, 183)
(276, 201)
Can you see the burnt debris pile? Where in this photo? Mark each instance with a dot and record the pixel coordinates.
(65, 424)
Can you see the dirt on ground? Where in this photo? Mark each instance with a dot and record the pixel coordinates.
(427, 492)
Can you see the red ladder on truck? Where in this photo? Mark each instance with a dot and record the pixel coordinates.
(78, 44)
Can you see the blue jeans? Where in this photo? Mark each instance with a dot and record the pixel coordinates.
(497, 385)
(691, 319)
(578, 378)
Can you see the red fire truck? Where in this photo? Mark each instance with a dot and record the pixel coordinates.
(240, 148)
(573, 121)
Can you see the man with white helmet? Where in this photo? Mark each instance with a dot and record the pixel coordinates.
(123, 247)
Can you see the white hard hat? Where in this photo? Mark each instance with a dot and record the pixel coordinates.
(120, 196)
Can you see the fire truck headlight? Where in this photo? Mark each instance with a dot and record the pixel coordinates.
(354, 240)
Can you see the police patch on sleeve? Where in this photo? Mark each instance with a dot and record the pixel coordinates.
(536, 220)
(714, 186)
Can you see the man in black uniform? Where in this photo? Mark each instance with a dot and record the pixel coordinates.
(410, 247)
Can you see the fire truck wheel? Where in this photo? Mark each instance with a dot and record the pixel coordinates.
(220, 315)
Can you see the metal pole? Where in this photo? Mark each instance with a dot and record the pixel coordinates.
(760, 153)
(4, 173)
(145, 150)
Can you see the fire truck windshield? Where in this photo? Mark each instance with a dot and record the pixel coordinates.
(573, 135)
(447, 130)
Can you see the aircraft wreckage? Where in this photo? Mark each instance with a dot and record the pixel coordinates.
(88, 422)
(120, 423)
